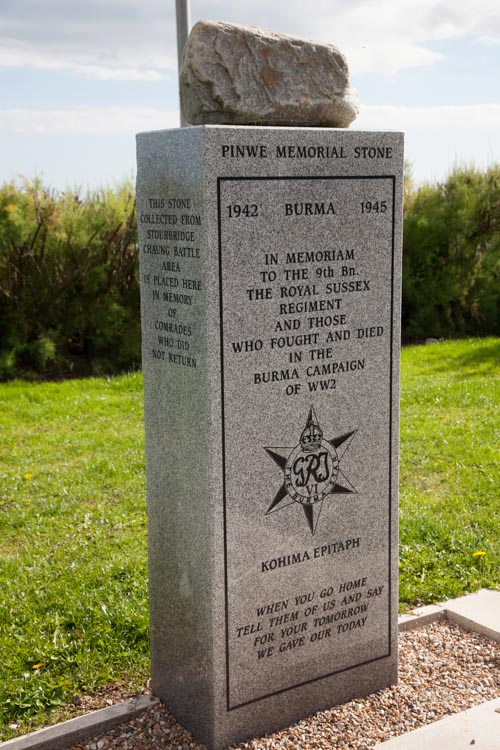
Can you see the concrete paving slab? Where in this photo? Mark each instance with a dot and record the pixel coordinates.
(479, 612)
(418, 618)
(477, 728)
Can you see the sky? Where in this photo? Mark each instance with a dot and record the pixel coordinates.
(78, 80)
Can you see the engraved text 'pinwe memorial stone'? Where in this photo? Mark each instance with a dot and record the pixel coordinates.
(244, 75)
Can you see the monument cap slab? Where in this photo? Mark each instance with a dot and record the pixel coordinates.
(244, 75)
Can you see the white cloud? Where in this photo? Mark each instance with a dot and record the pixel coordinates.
(485, 39)
(381, 36)
(99, 37)
(102, 120)
(90, 120)
(89, 38)
(390, 60)
(102, 73)
(19, 57)
(444, 117)
(438, 137)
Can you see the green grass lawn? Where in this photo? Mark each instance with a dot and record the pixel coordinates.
(450, 477)
(73, 610)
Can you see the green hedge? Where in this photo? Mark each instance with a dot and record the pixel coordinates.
(69, 289)
(451, 260)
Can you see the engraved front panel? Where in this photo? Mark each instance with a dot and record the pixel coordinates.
(306, 284)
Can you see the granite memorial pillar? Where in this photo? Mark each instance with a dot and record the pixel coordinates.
(270, 291)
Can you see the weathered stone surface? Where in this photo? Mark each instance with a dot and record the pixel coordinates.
(243, 75)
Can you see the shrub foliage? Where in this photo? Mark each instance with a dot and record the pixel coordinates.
(69, 291)
(451, 260)
(69, 288)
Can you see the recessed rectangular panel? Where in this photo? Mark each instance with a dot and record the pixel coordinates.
(306, 270)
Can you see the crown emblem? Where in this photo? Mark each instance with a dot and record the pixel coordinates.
(312, 434)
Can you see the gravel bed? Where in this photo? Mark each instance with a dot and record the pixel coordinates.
(442, 670)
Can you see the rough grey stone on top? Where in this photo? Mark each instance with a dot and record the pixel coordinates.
(243, 75)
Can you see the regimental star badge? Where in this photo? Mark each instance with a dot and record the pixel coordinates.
(311, 471)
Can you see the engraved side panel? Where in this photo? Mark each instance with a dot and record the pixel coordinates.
(172, 251)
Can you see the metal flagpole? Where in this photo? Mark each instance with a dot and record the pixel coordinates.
(183, 25)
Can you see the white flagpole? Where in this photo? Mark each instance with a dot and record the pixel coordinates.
(183, 25)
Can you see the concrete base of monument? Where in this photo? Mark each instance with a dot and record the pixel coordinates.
(478, 612)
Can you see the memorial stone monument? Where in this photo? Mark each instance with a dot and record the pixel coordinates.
(270, 291)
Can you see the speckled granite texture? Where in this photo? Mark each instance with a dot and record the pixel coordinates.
(270, 280)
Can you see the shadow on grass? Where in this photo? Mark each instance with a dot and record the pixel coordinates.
(483, 355)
